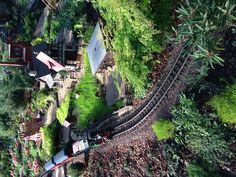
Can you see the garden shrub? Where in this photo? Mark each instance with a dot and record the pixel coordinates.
(160, 12)
(163, 129)
(200, 133)
(49, 136)
(225, 104)
(62, 111)
(36, 41)
(41, 99)
(29, 21)
(201, 22)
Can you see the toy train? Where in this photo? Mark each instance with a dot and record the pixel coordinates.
(65, 155)
(72, 150)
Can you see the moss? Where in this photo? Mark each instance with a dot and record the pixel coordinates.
(225, 104)
(163, 129)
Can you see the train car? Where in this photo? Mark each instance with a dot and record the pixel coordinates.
(66, 155)
(80, 147)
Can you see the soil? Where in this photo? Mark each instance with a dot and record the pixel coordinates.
(136, 159)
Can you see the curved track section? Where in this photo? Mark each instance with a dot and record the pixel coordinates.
(126, 124)
(154, 103)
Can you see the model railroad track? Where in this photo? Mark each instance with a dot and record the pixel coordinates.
(155, 102)
(128, 123)
(133, 121)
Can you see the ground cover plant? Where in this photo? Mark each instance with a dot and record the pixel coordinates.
(225, 104)
(62, 111)
(163, 129)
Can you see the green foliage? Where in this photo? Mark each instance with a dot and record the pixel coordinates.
(14, 84)
(75, 170)
(132, 44)
(225, 104)
(201, 22)
(4, 163)
(41, 99)
(67, 17)
(163, 129)
(160, 12)
(36, 41)
(194, 170)
(49, 136)
(88, 106)
(62, 111)
(30, 21)
(199, 133)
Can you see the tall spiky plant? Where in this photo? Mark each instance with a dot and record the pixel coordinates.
(201, 22)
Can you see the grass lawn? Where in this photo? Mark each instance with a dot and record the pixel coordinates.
(88, 107)
(163, 129)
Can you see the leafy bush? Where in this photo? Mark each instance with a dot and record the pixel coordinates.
(41, 99)
(163, 129)
(225, 104)
(201, 23)
(132, 44)
(195, 171)
(49, 136)
(200, 133)
(62, 111)
(88, 106)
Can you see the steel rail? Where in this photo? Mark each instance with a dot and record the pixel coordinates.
(137, 122)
